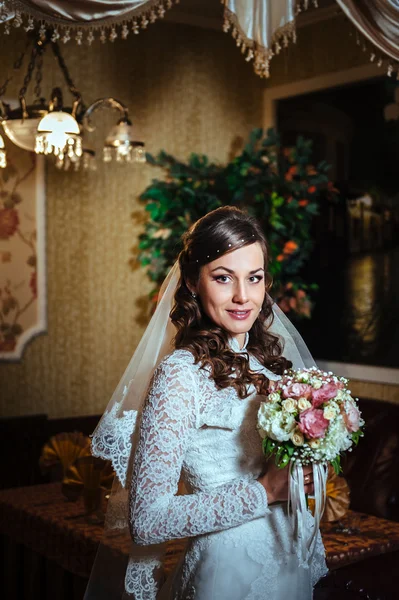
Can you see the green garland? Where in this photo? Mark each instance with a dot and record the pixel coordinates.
(279, 186)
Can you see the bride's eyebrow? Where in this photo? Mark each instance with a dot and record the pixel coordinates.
(232, 272)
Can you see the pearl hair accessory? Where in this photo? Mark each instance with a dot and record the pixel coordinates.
(218, 251)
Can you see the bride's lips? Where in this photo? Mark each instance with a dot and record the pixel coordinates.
(239, 315)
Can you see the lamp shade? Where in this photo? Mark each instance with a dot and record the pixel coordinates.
(120, 135)
(22, 132)
(58, 122)
(58, 132)
(122, 144)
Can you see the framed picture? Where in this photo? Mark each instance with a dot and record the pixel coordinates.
(22, 252)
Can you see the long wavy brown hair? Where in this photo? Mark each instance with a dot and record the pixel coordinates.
(219, 232)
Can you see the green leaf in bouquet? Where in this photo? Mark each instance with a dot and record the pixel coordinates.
(336, 463)
(280, 456)
(268, 447)
(356, 435)
(290, 448)
(282, 461)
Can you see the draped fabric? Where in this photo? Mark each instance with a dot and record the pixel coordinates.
(81, 19)
(84, 12)
(378, 21)
(259, 26)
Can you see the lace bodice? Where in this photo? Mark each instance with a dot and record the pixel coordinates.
(189, 427)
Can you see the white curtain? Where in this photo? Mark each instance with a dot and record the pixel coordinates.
(260, 27)
(378, 21)
(84, 13)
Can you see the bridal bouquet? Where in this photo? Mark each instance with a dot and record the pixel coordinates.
(309, 418)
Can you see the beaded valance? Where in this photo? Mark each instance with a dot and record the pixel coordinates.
(261, 28)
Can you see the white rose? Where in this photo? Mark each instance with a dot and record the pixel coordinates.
(281, 427)
(315, 443)
(303, 404)
(341, 395)
(289, 405)
(330, 411)
(297, 437)
(274, 397)
(263, 420)
(304, 377)
(317, 383)
(276, 423)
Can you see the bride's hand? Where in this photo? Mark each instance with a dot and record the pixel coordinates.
(275, 482)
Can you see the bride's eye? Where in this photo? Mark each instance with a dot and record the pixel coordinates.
(222, 278)
(256, 278)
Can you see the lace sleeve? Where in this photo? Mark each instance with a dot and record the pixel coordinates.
(168, 423)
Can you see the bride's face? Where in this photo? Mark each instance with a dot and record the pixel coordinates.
(232, 289)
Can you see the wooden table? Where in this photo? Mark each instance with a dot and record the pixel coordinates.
(41, 520)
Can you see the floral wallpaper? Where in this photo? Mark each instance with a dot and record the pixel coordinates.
(21, 241)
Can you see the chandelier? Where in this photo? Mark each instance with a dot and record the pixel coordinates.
(57, 131)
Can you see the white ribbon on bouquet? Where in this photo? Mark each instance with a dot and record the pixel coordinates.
(304, 536)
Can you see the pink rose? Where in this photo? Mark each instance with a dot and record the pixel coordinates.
(326, 392)
(351, 415)
(297, 390)
(312, 423)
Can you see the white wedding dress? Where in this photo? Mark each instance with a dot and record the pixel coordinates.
(239, 547)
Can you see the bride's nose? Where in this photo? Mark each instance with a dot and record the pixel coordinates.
(240, 293)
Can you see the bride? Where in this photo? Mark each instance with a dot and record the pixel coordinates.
(197, 423)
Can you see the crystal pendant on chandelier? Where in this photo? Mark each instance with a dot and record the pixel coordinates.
(87, 162)
(58, 133)
(3, 158)
(121, 144)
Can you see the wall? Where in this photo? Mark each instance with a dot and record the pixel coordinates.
(189, 90)
(324, 47)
